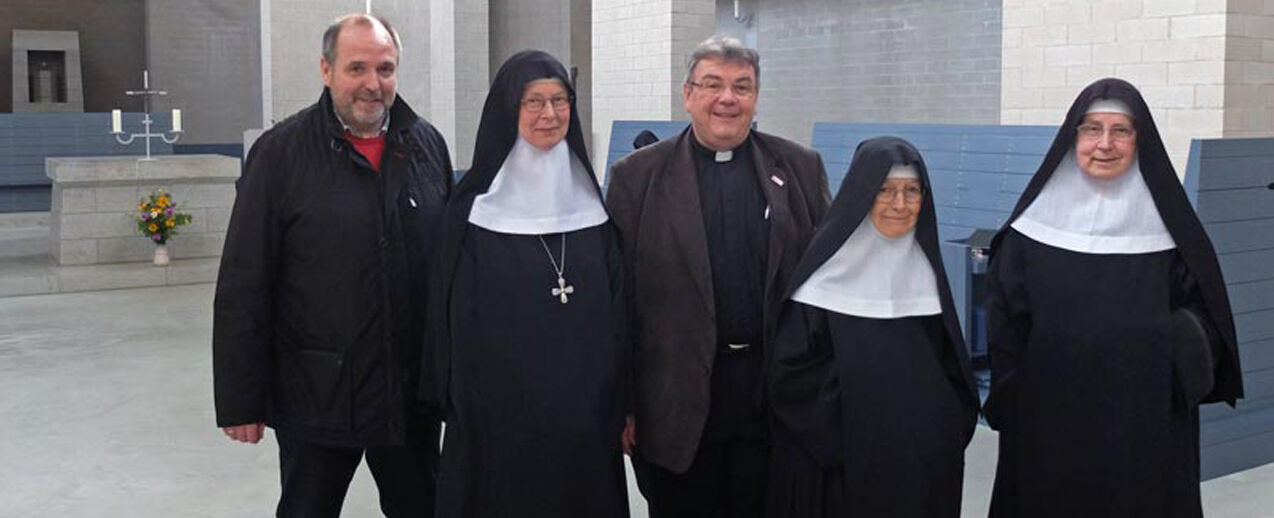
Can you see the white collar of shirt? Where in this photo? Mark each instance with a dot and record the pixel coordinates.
(384, 125)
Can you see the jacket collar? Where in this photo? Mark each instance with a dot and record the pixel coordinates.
(401, 116)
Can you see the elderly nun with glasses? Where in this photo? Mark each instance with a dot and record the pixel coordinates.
(870, 383)
(1108, 324)
(525, 345)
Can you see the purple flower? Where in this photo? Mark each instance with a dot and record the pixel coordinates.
(168, 212)
(156, 237)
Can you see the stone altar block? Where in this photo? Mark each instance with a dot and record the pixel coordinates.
(95, 200)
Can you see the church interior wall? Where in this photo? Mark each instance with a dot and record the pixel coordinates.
(205, 53)
(529, 24)
(112, 45)
(871, 61)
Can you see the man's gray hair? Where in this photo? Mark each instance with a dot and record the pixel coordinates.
(333, 32)
(725, 49)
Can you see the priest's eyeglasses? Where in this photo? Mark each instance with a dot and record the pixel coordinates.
(910, 194)
(536, 104)
(715, 87)
(1095, 131)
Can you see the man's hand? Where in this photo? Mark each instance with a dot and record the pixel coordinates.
(629, 438)
(245, 432)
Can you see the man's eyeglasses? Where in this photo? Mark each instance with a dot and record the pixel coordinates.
(1095, 132)
(910, 194)
(713, 87)
(536, 104)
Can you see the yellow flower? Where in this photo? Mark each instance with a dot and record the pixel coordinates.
(163, 201)
(141, 207)
(170, 223)
(153, 227)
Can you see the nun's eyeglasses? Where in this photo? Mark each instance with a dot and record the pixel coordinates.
(536, 104)
(1095, 132)
(910, 194)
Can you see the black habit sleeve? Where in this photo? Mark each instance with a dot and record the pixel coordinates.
(803, 383)
(241, 328)
(1198, 347)
(1008, 326)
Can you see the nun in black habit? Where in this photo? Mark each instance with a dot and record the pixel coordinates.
(1108, 324)
(870, 381)
(525, 318)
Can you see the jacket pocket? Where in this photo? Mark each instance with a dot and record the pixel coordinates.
(314, 389)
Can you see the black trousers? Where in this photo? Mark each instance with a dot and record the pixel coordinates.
(728, 479)
(316, 477)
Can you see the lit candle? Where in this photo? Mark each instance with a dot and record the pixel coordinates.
(176, 119)
(117, 121)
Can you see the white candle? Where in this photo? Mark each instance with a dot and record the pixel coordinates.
(117, 121)
(145, 80)
(176, 119)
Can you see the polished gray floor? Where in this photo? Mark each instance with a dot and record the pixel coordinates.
(106, 411)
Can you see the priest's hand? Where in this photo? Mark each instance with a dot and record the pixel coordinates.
(245, 432)
(629, 438)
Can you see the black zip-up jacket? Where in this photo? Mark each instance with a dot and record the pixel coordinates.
(320, 304)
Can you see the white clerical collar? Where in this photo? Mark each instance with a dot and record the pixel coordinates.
(539, 192)
(1076, 212)
(874, 276)
(724, 156)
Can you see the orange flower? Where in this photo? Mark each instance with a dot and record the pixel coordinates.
(153, 227)
(170, 223)
(162, 202)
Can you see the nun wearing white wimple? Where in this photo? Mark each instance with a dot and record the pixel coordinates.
(870, 383)
(525, 315)
(1108, 325)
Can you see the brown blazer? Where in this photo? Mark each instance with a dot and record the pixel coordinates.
(654, 201)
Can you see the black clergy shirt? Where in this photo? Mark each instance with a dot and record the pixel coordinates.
(737, 228)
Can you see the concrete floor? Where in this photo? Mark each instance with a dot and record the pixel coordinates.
(107, 411)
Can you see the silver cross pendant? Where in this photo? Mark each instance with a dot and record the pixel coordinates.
(562, 290)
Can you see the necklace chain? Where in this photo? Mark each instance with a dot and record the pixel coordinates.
(557, 269)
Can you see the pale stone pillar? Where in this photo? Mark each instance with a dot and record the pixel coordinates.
(639, 53)
(1249, 70)
(459, 72)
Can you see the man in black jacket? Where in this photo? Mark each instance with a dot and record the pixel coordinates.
(321, 295)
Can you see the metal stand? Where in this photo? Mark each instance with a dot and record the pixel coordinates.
(146, 93)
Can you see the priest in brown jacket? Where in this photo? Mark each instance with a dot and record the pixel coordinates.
(712, 223)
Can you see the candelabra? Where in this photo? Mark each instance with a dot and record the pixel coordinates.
(117, 119)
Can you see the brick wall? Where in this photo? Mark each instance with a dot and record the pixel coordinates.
(870, 61)
(1174, 51)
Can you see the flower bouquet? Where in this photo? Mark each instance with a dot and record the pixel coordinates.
(158, 219)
